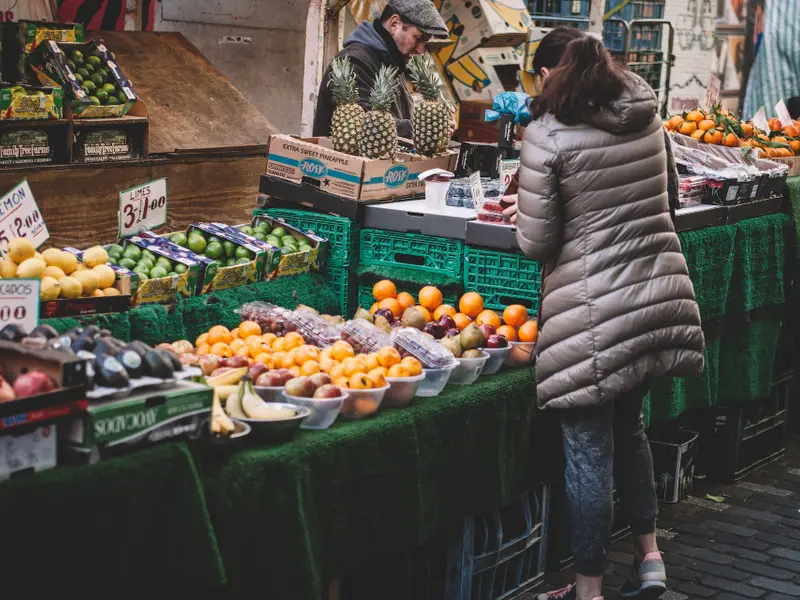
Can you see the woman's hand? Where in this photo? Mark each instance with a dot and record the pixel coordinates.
(511, 211)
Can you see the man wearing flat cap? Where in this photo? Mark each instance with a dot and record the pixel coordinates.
(402, 30)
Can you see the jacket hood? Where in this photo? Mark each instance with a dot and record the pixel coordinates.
(632, 112)
(366, 35)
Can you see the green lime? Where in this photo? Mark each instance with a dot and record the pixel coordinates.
(88, 86)
(94, 61)
(178, 238)
(133, 252)
(230, 248)
(71, 64)
(112, 101)
(112, 260)
(288, 250)
(97, 79)
(78, 77)
(115, 249)
(213, 238)
(163, 261)
(242, 252)
(279, 232)
(101, 95)
(141, 269)
(259, 236)
(288, 239)
(122, 97)
(247, 229)
(230, 262)
(181, 268)
(149, 254)
(89, 68)
(143, 275)
(271, 239)
(214, 250)
(242, 261)
(157, 272)
(146, 262)
(128, 263)
(94, 100)
(109, 87)
(196, 243)
(77, 57)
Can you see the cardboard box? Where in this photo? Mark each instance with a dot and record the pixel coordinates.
(181, 411)
(28, 452)
(29, 102)
(483, 23)
(535, 36)
(50, 64)
(793, 162)
(295, 263)
(28, 143)
(20, 38)
(314, 161)
(486, 72)
(163, 290)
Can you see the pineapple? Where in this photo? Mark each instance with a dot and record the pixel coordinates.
(431, 120)
(347, 123)
(380, 130)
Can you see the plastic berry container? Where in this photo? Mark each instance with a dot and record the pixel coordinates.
(364, 337)
(314, 329)
(412, 342)
(271, 318)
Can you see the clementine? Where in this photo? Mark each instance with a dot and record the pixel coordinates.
(747, 129)
(461, 320)
(384, 289)
(695, 115)
(293, 340)
(235, 333)
(373, 308)
(393, 305)
(237, 344)
(698, 134)
(444, 309)
(528, 332)
(306, 353)
(675, 122)
(774, 124)
(471, 304)
(687, 127)
(266, 359)
(341, 350)
(388, 356)
(218, 334)
(508, 332)
(202, 349)
(371, 360)
(515, 315)
(248, 328)
(309, 368)
(221, 349)
(405, 299)
(398, 370)
(201, 340)
(706, 124)
(430, 297)
(269, 338)
(488, 317)
(279, 345)
(413, 365)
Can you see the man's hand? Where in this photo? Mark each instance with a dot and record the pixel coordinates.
(511, 211)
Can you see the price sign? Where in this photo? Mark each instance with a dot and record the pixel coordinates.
(19, 302)
(508, 168)
(476, 188)
(760, 120)
(143, 207)
(712, 92)
(20, 217)
(783, 113)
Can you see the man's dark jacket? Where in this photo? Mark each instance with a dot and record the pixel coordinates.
(369, 47)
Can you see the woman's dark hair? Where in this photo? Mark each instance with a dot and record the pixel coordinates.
(585, 80)
(552, 47)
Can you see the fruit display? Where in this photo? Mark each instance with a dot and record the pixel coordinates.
(379, 139)
(431, 119)
(279, 321)
(347, 122)
(363, 336)
(60, 272)
(144, 262)
(27, 102)
(299, 251)
(721, 127)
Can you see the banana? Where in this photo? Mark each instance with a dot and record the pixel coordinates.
(224, 391)
(255, 408)
(221, 423)
(233, 406)
(228, 378)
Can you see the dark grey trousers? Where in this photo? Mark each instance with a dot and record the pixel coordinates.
(600, 442)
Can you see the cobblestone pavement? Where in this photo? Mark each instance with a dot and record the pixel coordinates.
(747, 547)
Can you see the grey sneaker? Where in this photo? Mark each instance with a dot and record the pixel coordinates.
(648, 579)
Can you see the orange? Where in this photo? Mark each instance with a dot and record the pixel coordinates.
(341, 350)
(770, 152)
(279, 345)
(747, 129)
(471, 304)
(277, 358)
(398, 370)
(712, 137)
(774, 124)
(384, 289)
(243, 351)
(325, 353)
(371, 360)
(235, 333)
(405, 299)
(202, 349)
(353, 365)
(388, 356)
(413, 365)
(378, 377)
(295, 371)
(783, 152)
(257, 347)
(326, 364)
(488, 317)
(695, 115)
(266, 359)
(687, 127)
(444, 309)
(698, 134)
(269, 338)
(425, 313)
(221, 349)
(706, 124)
(373, 308)
(791, 131)
(307, 353)
(508, 332)
(293, 340)
(780, 139)
(252, 338)
(795, 146)
(515, 315)
(360, 381)
(337, 371)
(730, 140)
(201, 340)
(461, 320)
(218, 334)
(430, 297)
(675, 122)
(288, 360)
(342, 382)
(393, 305)
(248, 328)
(528, 332)
(237, 344)
(309, 367)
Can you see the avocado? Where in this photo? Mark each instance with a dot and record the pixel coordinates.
(157, 366)
(12, 333)
(109, 372)
(171, 357)
(132, 362)
(45, 331)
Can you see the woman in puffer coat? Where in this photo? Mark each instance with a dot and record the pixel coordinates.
(617, 307)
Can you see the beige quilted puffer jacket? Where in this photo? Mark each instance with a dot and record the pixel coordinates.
(617, 303)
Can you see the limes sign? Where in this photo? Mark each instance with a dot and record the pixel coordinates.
(19, 303)
(143, 207)
(20, 217)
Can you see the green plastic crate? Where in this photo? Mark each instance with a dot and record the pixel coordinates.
(502, 278)
(344, 286)
(366, 299)
(341, 232)
(411, 250)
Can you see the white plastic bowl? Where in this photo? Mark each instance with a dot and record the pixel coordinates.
(323, 410)
(401, 390)
(496, 358)
(468, 370)
(520, 355)
(363, 403)
(270, 394)
(434, 382)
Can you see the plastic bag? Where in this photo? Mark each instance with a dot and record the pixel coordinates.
(510, 103)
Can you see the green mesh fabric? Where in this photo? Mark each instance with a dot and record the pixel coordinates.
(118, 323)
(710, 255)
(154, 323)
(793, 185)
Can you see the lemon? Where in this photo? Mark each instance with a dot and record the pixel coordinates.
(67, 262)
(8, 268)
(52, 257)
(111, 292)
(98, 293)
(21, 249)
(53, 271)
(80, 267)
(70, 287)
(88, 280)
(106, 275)
(50, 288)
(32, 268)
(94, 256)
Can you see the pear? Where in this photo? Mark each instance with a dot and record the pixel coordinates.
(363, 313)
(472, 337)
(383, 324)
(453, 345)
(472, 354)
(413, 318)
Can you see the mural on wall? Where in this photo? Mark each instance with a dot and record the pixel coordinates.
(694, 27)
(108, 14)
(14, 10)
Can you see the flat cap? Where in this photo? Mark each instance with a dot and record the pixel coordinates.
(423, 14)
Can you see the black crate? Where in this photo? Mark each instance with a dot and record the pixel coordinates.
(743, 438)
(674, 452)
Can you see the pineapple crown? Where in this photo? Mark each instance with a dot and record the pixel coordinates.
(384, 89)
(343, 81)
(426, 80)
